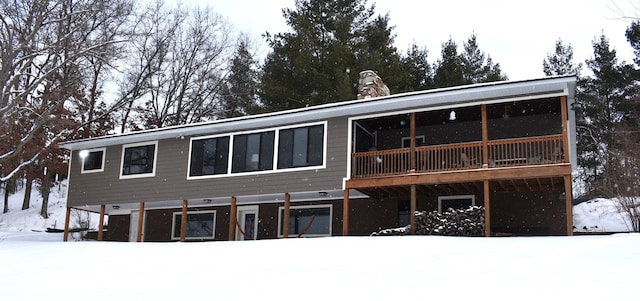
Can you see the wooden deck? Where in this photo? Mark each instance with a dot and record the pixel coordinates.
(532, 151)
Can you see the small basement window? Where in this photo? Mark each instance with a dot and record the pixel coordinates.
(455, 202)
(316, 219)
(200, 225)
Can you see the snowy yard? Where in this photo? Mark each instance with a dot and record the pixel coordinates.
(38, 266)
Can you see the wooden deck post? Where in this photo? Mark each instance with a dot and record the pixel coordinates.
(140, 222)
(286, 213)
(412, 216)
(101, 222)
(413, 142)
(233, 212)
(183, 221)
(487, 209)
(565, 127)
(345, 213)
(485, 136)
(65, 237)
(568, 191)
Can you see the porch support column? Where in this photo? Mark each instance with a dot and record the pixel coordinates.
(101, 223)
(485, 137)
(345, 213)
(65, 237)
(487, 209)
(565, 127)
(140, 222)
(183, 221)
(412, 217)
(287, 205)
(568, 192)
(233, 212)
(413, 142)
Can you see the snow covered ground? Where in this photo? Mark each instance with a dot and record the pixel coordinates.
(38, 266)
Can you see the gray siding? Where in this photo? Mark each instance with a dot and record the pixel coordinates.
(170, 181)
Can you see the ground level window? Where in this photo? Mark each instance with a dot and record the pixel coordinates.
(307, 220)
(455, 202)
(200, 225)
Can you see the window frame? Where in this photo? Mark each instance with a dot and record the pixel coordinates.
(420, 140)
(89, 151)
(174, 224)
(140, 175)
(281, 219)
(276, 146)
(308, 144)
(230, 148)
(455, 197)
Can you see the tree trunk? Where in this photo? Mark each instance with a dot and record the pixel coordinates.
(45, 191)
(27, 193)
(5, 209)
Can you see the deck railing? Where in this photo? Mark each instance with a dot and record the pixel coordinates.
(459, 156)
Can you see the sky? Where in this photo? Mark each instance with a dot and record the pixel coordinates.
(516, 34)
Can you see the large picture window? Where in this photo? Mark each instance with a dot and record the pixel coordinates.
(92, 160)
(138, 160)
(253, 152)
(200, 225)
(301, 147)
(209, 156)
(316, 220)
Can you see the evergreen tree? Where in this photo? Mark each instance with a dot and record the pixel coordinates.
(239, 96)
(561, 61)
(477, 69)
(419, 71)
(605, 96)
(318, 60)
(449, 69)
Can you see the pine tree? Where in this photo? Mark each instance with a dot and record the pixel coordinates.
(604, 97)
(561, 61)
(449, 69)
(319, 59)
(477, 69)
(239, 96)
(419, 71)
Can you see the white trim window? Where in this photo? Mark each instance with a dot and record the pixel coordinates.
(209, 156)
(92, 160)
(301, 147)
(455, 202)
(200, 225)
(406, 141)
(139, 160)
(316, 219)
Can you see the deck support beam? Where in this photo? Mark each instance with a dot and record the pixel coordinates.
(233, 212)
(140, 222)
(287, 215)
(101, 222)
(412, 217)
(345, 213)
(65, 237)
(487, 209)
(568, 192)
(183, 221)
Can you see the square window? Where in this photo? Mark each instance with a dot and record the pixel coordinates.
(200, 225)
(138, 160)
(209, 156)
(92, 160)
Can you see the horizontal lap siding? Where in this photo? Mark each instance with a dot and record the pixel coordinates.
(170, 181)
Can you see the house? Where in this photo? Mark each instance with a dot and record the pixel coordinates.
(346, 168)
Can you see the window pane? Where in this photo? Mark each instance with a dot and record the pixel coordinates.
(239, 153)
(285, 151)
(300, 146)
(316, 145)
(93, 160)
(199, 225)
(138, 160)
(253, 152)
(209, 156)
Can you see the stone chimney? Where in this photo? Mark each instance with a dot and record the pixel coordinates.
(370, 85)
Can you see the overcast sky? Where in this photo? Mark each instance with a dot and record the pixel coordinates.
(516, 34)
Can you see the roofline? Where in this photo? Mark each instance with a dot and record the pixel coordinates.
(435, 98)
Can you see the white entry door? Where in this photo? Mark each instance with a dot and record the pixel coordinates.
(248, 220)
(133, 226)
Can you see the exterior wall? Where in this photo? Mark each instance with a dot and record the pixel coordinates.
(170, 180)
(535, 213)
